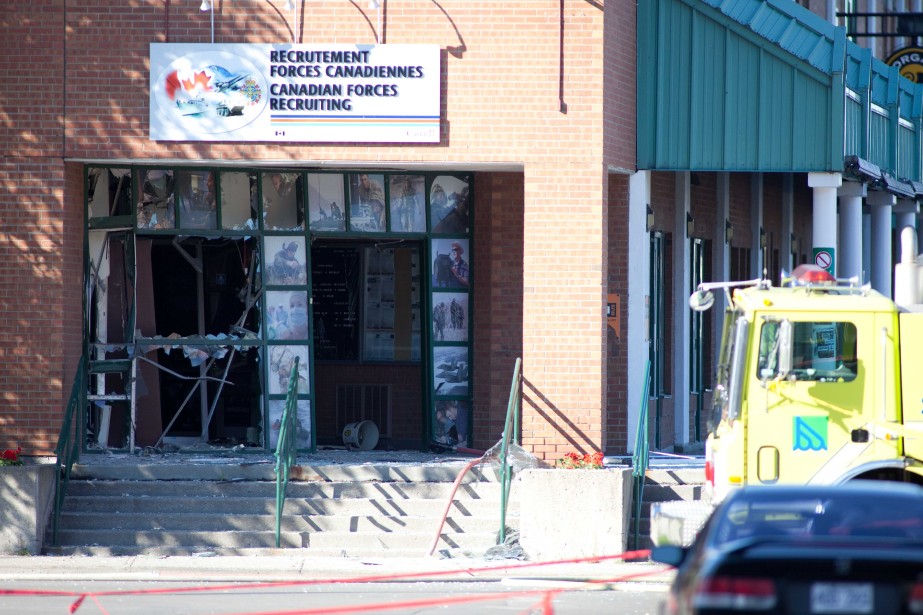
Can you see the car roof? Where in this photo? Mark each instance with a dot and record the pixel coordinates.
(853, 488)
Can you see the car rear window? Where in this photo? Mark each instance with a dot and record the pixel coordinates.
(828, 516)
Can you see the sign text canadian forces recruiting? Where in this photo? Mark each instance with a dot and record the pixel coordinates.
(329, 65)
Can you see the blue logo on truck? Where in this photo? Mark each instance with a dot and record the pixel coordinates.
(810, 433)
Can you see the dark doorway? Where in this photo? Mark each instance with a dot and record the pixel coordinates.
(369, 340)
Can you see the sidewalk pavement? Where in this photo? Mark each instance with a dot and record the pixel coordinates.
(284, 567)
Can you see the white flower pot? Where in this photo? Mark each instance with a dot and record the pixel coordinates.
(574, 513)
(26, 502)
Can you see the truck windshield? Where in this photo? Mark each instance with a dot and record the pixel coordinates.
(821, 351)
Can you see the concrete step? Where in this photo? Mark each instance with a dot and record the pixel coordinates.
(369, 552)
(344, 523)
(383, 543)
(378, 509)
(296, 489)
(654, 492)
(218, 469)
(694, 475)
(429, 507)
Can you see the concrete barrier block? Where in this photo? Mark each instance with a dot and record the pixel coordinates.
(26, 497)
(574, 513)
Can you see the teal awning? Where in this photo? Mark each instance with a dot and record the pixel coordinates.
(766, 85)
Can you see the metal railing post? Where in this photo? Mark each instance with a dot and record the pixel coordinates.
(510, 432)
(286, 448)
(67, 450)
(639, 461)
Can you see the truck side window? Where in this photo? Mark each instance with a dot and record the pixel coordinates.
(821, 352)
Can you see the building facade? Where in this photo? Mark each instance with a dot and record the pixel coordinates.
(181, 249)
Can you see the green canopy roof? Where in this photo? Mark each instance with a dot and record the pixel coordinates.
(766, 85)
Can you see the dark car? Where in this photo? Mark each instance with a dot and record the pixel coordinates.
(850, 548)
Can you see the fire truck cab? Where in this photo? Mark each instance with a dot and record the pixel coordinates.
(819, 381)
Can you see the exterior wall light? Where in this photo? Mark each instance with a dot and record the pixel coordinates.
(650, 219)
(375, 5)
(728, 232)
(690, 225)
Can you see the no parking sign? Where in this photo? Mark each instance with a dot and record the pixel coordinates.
(824, 258)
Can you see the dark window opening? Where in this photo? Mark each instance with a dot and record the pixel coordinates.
(180, 306)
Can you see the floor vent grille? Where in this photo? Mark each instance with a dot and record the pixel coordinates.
(364, 402)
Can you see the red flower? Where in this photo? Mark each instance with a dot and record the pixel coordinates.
(9, 457)
(572, 460)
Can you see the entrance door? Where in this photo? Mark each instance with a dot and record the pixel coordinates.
(368, 340)
(700, 332)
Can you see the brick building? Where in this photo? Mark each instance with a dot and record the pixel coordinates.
(586, 214)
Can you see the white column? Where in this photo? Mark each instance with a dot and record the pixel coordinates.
(681, 313)
(756, 225)
(905, 213)
(824, 227)
(881, 204)
(639, 293)
(849, 261)
(906, 219)
(788, 215)
(871, 42)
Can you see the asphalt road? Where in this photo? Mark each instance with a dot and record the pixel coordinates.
(288, 584)
(509, 596)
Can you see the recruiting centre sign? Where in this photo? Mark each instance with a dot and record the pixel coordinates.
(295, 93)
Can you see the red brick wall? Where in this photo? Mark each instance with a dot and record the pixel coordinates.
(31, 70)
(39, 293)
(502, 86)
(507, 68)
(498, 299)
(739, 189)
(617, 344)
(772, 223)
(564, 328)
(40, 282)
(702, 207)
(621, 66)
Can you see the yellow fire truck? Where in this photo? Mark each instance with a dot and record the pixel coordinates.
(819, 381)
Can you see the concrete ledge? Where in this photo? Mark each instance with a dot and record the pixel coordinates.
(566, 514)
(26, 497)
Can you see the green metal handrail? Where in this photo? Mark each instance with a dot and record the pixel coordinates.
(639, 460)
(510, 433)
(286, 447)
(67, 451)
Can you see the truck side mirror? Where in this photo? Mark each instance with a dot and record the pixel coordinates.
(701, 300)
(785, 348)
